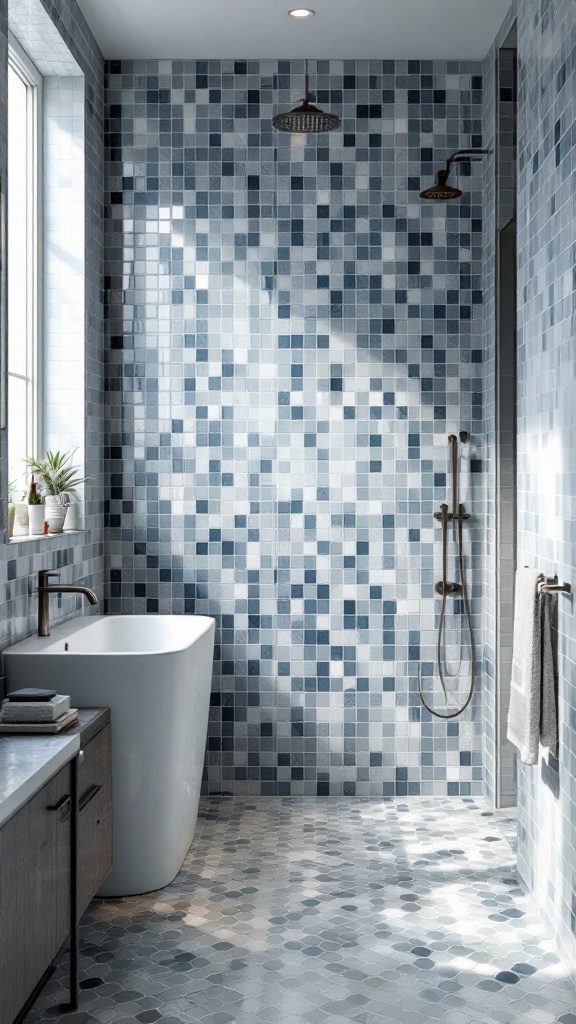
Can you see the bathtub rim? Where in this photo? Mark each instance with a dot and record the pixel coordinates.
(49, 646)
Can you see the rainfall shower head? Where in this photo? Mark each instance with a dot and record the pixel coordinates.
(441, 189)
(307, 118)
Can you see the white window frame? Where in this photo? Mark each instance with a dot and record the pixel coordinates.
(23, 66)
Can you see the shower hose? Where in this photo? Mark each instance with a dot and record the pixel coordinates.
(441, 625)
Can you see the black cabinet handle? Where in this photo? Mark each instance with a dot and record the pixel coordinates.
(88, 796)
(64, 805)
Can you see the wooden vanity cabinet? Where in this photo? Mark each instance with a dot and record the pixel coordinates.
(36, 850)
(94, 816)
(35, 881)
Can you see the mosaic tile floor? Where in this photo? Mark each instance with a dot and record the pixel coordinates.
(306, 910)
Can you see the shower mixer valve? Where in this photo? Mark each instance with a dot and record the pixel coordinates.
(452, 517)
(446, 588)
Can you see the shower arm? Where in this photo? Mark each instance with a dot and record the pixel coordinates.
(463, 154)
(306, 84)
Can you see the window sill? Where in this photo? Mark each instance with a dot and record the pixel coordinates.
(47, 537)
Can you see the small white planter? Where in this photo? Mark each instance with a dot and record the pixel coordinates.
(20, 519)
(36, 520)
(74, 516)
(55, 513)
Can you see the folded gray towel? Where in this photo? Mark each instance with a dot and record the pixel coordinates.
(35, 711)
(549, 718)
(532, 712)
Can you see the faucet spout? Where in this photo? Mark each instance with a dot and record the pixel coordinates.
(44, 591)
(88, 594)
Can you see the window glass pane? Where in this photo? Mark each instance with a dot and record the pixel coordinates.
(18, 200)
(18, 428)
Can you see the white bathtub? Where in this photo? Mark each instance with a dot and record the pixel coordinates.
(154, 673)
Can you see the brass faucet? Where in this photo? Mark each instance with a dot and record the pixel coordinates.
(44, 591)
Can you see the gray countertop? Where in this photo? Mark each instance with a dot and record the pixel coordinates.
(27, 762)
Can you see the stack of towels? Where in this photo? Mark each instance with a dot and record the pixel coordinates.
(32, 710)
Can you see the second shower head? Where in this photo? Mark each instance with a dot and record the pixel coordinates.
(441, 189)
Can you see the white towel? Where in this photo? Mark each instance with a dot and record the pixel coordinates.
(532, 712)
(35, 711)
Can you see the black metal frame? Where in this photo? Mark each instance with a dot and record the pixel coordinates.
(74, 923)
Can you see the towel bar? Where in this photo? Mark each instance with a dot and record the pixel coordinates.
(555, 588)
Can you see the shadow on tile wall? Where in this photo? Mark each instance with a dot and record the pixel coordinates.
(292, 335)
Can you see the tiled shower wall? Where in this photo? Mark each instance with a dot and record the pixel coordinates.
(547, 424)
(76, 557)
(292, 335)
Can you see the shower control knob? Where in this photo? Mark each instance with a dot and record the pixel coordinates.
(447, 588)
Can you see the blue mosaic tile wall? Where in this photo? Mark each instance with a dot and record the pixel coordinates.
(547, 425)
(292, 335)
(80, 557)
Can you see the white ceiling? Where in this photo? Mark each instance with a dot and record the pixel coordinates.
(353, 29)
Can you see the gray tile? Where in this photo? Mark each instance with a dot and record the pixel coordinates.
(293, 910)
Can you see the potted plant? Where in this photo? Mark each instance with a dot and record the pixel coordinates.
(36, 510)
(60, 480)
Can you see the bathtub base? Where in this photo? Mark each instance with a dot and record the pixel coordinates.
(159, 703)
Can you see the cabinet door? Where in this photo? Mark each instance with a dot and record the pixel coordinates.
(34, 891)
(95, 817)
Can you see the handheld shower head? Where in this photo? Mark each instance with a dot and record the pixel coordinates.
(441, 189)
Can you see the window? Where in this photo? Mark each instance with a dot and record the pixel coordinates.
(46, 245)
(24, 259)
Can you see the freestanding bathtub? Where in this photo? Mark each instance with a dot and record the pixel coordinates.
(154, 673)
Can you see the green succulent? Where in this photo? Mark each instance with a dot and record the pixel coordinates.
(57, 473)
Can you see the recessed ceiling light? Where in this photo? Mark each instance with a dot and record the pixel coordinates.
(301, 12)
